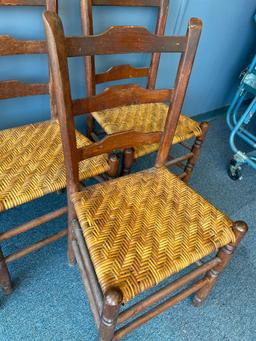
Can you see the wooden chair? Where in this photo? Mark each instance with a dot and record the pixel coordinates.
(142, 117)
(31, 155)
(133, 232)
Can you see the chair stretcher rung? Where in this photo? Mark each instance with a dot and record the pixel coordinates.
(36, 246)
(32, 224)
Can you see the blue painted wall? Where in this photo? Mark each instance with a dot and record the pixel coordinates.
(227, 44)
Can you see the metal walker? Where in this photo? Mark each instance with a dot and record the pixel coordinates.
(238, 123)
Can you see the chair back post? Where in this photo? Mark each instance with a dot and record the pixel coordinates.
(181, 84)
(59, 68)
(160, 29)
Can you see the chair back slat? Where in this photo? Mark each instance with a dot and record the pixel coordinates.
(120, 95)
(121, 71)
(118, 141)
(60, 48)
(50, 5)
(10, 46)
(92, 78)
(126, 3)
(12, 89)
(137, 40)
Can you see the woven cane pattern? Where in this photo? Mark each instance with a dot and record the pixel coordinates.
(142, 228)
(145, 118)
(32, 163)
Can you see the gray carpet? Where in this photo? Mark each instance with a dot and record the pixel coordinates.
(49, 303)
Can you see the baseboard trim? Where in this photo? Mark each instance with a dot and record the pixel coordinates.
(212, 114)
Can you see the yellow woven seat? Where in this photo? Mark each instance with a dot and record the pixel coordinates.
(145, 118)
(32, 163)
(142, 228)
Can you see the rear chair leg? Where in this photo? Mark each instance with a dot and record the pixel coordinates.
(113, 166)
(90, 125)
(225, 253)
(128, 161)
(5, 279)
(196, 151)
(71, 217)
(112, 301)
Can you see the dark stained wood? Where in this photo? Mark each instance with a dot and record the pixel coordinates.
(112, 42)
(113, 165)
(112, 301)
(11, 89)
(160, 29)
(5, 279)
(118, 141)
(195, 151)
(139, 3)
(22, 2)
(167, 290)
(92, 79)
(121, 72)
(36, 246)
(32, 224)
(184, 71)
(128, 160)
(10, 46)
(120, 95)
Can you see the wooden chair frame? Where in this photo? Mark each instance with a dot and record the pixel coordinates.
(105, 306)
(128, 71)
(11, 89)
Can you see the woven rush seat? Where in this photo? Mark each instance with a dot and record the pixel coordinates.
(145, 118)
(32, 163)
(142, 228)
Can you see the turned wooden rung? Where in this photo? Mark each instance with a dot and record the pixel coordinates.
(33, 223)
(177, 161)
(34, 247)
(183, 144)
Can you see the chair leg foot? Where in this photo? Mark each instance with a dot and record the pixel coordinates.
(225, 254)
(196, 149)
(128, 161)
(5, 278)
(112, 301)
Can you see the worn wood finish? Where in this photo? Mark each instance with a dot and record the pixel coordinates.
(119, 95)
(36, 246)
(113, 296)
(139, 3)
(12, 89)
(120, 72)
(118, 141)
(111, 42)
(32, 224)
(184, 71)
(128, 160)
(112, 301)
(225, 254)
(10, 46)
(92, 79)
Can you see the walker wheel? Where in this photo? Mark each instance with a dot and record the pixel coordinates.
(234, 170)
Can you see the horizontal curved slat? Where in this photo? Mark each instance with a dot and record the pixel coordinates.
(118, 141)
(139, 3)
(10, 46)
(120, 95)
(121, 72)
(22, 2)
(11, 89)
(137, 40)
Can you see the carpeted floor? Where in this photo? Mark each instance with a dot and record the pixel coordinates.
(49, 303)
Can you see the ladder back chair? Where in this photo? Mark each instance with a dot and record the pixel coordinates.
(135, 231)
(143, 117)
(31, 156)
